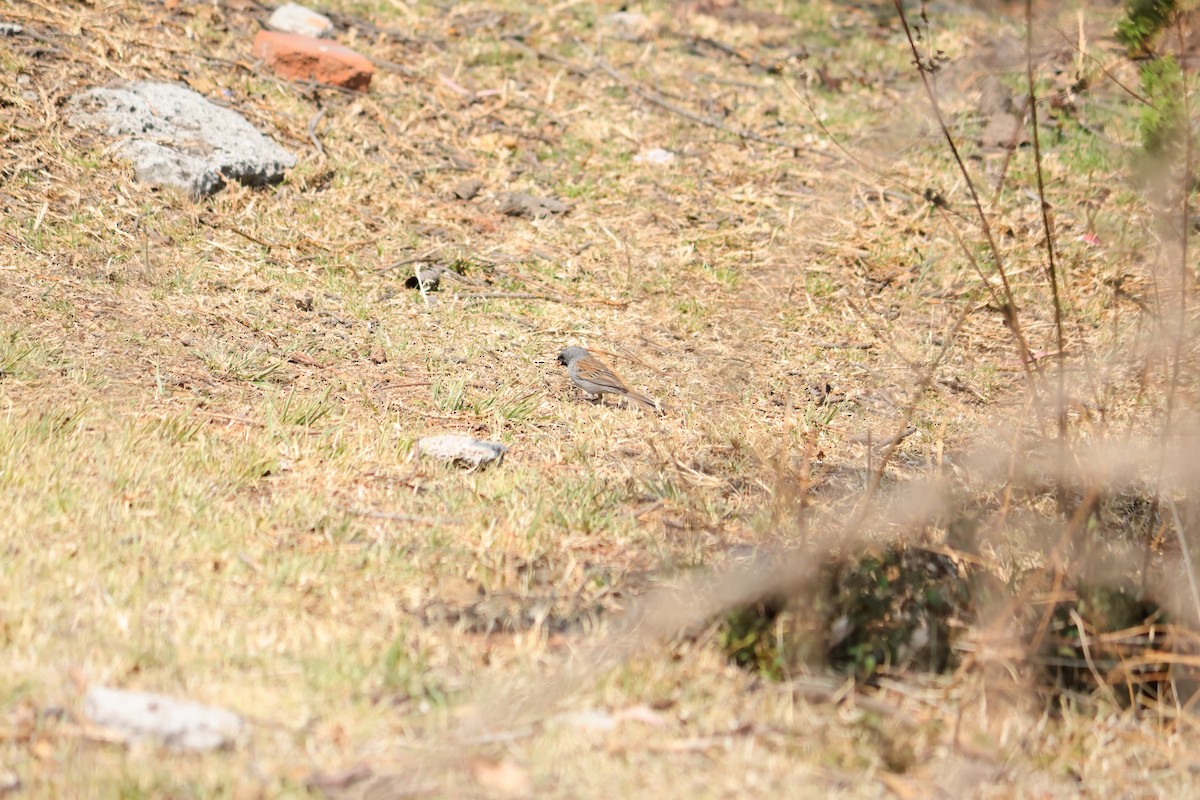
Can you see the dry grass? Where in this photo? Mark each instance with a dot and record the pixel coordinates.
(199, 455)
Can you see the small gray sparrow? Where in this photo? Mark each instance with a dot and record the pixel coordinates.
(596, 378)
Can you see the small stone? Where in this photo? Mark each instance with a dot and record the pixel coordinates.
(378, 356)
(590, 719)
(520, 204)
(304, 58)
(179, 724)
(655, 155)
(467, 189)
(628, 25)
(304, 302)
(295, 18)
(462, 450)
(10, 29)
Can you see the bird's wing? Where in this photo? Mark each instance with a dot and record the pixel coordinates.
(594, 371)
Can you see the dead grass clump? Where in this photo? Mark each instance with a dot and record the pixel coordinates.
(1104, 641)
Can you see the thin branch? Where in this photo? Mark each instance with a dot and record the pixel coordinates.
(1013, 319)
(1186, 555)
(404, 262)
(1181, 333)
(312, 132)
(1185, 209)
(250, 238)
(514, 296)
(1051, 265)
(712, 122)
(1135, 95)
(1008, 154)
(889, 176)
(864, 503)
(416, 519)
(1080, 626)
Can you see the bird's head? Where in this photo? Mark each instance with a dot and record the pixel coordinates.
(571, 355)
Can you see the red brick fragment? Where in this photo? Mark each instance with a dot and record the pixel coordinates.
(303, 58)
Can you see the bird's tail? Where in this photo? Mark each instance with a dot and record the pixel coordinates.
(646, 401)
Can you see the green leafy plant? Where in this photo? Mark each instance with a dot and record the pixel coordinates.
(1163, 118)
(1162, 81)
(751, 637)
(895, 609)
(1142, 21)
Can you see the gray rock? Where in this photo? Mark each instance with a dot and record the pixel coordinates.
(522, 204)
(294, 18)
(179, 724)
(655, 155)
(160, 165)
(175, 137)
(467, 188)
(10, 29)
(463, 450)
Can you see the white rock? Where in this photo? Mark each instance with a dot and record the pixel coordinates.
(629, 25)
(590, 719)
(179, 724)
(655, 155)
(294, 18)
(175, 137)
(459, 449)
